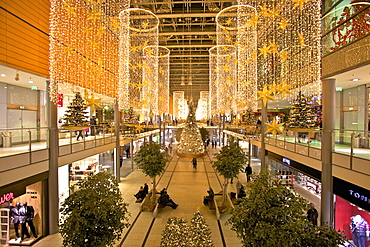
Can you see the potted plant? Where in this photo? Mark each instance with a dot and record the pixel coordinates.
(95, 214)
(152, 160)
(229, 163)
(273, 215)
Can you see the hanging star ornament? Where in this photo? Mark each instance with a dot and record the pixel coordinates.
(274, 128)
(284, 89)
(299, 3)
(139, 128)
(264, 50)
(92, 102)
(283, 24)
(265, 95)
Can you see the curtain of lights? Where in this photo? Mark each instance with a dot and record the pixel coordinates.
(139, 29)
(288, 46)
(202, 111)
(235, 26)
(84, 46)
(223, 77)
(180, 106)
(163, 79)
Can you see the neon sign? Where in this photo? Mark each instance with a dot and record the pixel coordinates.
(6, 197)
(359, 196)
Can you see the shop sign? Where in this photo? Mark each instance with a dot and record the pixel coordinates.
(60, 100)
(359, 196)
(6, 197)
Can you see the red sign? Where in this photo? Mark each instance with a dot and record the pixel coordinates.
(6, 197)
(60, 100)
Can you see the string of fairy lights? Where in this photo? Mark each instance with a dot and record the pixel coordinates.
(84, 46)
(111, 50)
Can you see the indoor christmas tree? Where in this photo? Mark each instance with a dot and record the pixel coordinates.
(302, 115)
(75, 115)
(200, 233)
(130, 117)
(176, 233)
(248, 117)
(191, 144)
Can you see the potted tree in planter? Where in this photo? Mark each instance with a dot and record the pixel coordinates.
(272, 215)
(95, 214)
(152, 160)
(229, 163)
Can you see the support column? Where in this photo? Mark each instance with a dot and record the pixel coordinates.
(263, 146)
(132, 154)
(328, 120)
(249, 152)
(160, 129)
(117, 168)
(53, 184)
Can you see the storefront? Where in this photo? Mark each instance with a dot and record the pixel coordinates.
(22, 209)
(71, 174)
(351, 202)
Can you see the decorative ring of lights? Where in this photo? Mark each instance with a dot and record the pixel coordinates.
(235, 17)
(162, 51)
(136, 19)
(222, 50)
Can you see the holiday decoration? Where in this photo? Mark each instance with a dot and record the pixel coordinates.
(74, 117)
(130, 117)
(265, 95)
(178, 233)
(302, 116)
(84, 46)
(191, 144)
(92, 103)
(274, 128)
(249, 117)
(139, 30)
(199, 231)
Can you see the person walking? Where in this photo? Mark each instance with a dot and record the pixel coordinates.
(238, 187)
(194, 161)
(312, 214)
(248, 172)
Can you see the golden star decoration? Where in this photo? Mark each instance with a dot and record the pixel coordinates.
(94, 43)
(139, 128)
(229, 21)
(94, 15)
(151, 115)
(301, 40)
(284, 56)
(160, 98)
(134, 48)
(273, 47)
(92, 102)
(226, 68)
(226, 48)
(100, 66)
(68, 50)
(264, 50)
(274, 89)
(229, 39)
(283, 23)
(160, 84)
(274, 128)
(274, 13)
(299, 3)
(69, 7)
(264, 10)
(284, 89)
(161, 71)
(265, 95)
(253, 22)
(145, 24)
(101, 31)
(115, 23)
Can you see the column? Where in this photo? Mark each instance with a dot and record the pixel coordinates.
(263, 146)
(53, 192)
(117, 168)
(328, 120)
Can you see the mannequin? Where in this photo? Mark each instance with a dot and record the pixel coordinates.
(19, 219)
(360, 230)
(30, 214)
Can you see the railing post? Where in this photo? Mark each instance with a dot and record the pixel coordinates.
(351, 152)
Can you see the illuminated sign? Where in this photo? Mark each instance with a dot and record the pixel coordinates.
(359, 196)
(6, 197)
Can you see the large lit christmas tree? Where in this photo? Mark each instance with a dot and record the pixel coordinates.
(75, 115)
(176, 233)
(302, 115)
(200, 233)
(191, 144)
(130, 117)
(249, 117)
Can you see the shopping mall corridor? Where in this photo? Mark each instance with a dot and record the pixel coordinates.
(187, 187)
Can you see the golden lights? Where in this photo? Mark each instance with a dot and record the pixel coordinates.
(83, 47)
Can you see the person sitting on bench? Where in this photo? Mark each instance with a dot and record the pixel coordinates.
(165, 200)
(140, 195)
(210, 196)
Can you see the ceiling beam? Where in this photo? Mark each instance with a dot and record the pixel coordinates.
(187, 33)
(182, 15)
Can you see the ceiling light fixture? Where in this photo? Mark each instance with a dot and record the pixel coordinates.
(2, 75)
(30, 80)
(355, 79)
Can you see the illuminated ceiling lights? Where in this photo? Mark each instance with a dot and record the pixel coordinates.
(288, 46)
(83, 46)
(236, 26)
(139, 30)
(223, 75)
